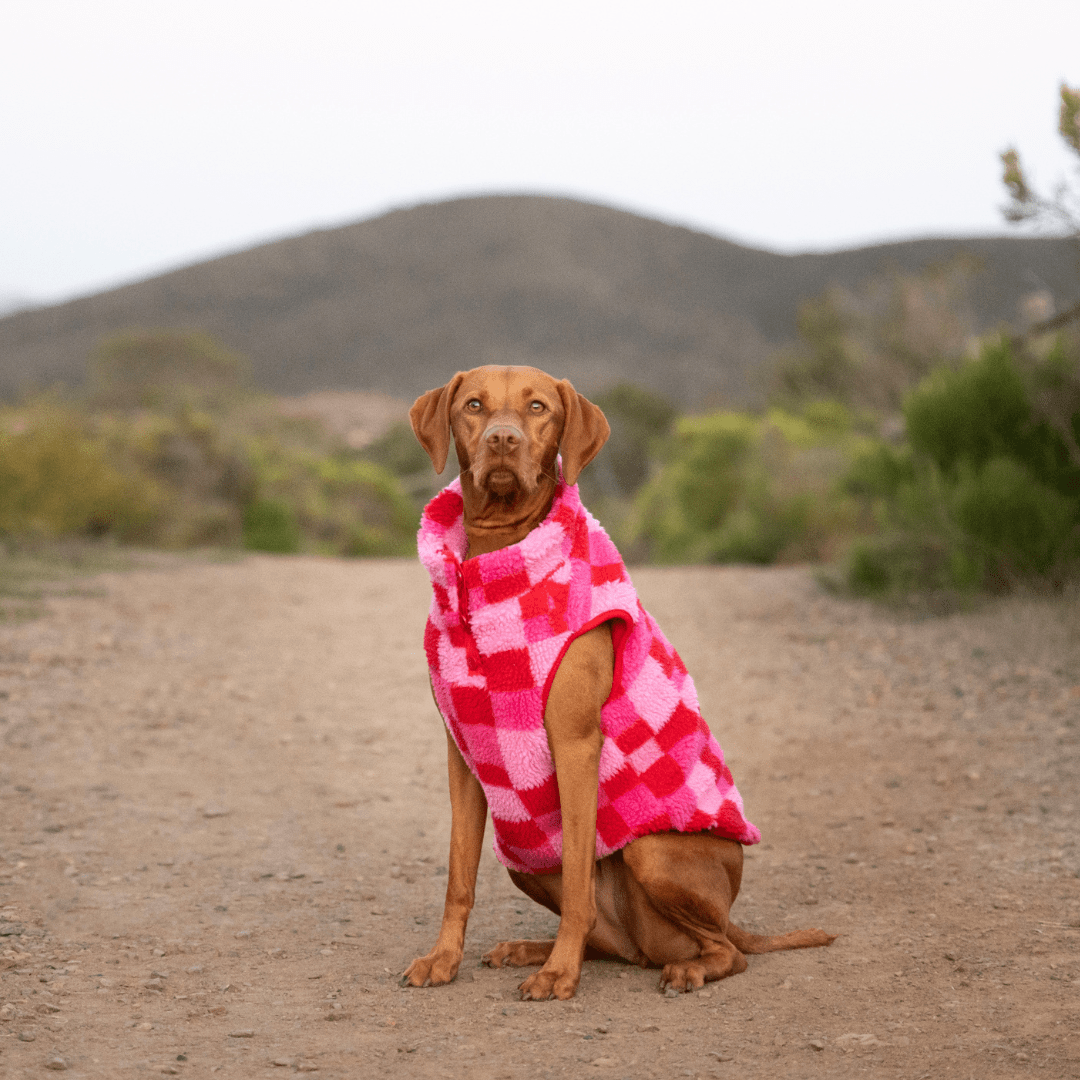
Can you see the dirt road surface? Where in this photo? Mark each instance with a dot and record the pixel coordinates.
(224, 823)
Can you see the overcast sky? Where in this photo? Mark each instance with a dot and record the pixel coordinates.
(141, 136)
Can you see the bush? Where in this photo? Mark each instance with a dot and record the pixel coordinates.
(1021, 526)
(985, 495)
(270, 526)
(736, 488)
(57, 478)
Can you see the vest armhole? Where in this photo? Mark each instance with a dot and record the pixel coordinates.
(619, 633)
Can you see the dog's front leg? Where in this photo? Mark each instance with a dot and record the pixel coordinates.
(572, 719)
(468, 807)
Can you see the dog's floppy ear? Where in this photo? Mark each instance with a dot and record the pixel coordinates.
(430, 419)
(585, 430)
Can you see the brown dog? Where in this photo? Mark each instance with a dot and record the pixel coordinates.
(663, 899)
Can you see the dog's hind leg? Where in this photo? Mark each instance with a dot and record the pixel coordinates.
(690, 881)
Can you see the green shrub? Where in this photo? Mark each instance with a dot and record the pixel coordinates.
(984, 495)
(983, 410)
(1022, 526)
(57, 478)
(270, 525)
(737, 488)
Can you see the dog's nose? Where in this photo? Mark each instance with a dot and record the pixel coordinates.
(503, 438)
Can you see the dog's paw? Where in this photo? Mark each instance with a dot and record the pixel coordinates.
(550, 984)
(518, 953)
(435, 969)
(684, 976)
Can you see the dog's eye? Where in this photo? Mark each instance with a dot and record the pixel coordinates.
(537, 406)
(473, 405)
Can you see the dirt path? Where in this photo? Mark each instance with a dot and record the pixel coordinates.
(223, 827)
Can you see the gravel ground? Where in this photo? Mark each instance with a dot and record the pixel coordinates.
(224, 820)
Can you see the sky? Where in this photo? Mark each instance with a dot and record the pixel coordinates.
(138, 137)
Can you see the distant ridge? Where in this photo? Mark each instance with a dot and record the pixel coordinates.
(397, 303)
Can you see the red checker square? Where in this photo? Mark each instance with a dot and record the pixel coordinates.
(681, 723)
(611, 828)
(635, 736)
(492, 774)
(619, 784)
(509, 670)
(579, 548)
(505, 587)
(662, 656)
(470, 572)
(472, 705)
(520, 834)
(729, 822)
(458, 638)
(699, 822)
(431, 645)
(542, 799)
(611, 572)
(535, 602)
(445, 508)
(663, 777)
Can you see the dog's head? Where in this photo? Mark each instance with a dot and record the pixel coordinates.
(508, 425)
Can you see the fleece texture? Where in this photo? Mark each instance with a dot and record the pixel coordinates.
(498, 627)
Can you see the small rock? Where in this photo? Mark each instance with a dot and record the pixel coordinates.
(851, 858)
(7, 1011)
(305, 1066)
(817, 1044)
(212, 810)
(648, 1027)
(242, 1033)
(158, 952)
(26, 1036)
(671, 992)
(144, 1026)
(57, 1063)
(170, 1070)
(604, 1062)
(285, 1063)
(195, 969)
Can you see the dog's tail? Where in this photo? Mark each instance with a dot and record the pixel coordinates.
(759, 943)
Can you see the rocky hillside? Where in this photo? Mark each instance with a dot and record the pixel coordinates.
(396, 303)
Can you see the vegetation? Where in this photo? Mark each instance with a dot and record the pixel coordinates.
(172, 449)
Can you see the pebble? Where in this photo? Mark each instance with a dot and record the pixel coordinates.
(7, 1011)
(285, 1063)
(242, 934)
(671, 992)
(816, 1044)
(26, 1036)
(170, 1070)
(604, 1062)
(56, 1063)
(242, 1033)
(212, 810)
(307, 1067)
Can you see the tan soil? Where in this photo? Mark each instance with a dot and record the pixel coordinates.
(223, 818)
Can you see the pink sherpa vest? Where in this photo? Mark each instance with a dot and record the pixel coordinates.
(498, 627)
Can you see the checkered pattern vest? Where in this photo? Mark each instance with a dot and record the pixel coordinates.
(499, 625)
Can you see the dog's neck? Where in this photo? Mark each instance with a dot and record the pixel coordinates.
(493, 522)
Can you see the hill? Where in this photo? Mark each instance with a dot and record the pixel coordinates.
(396, 303)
